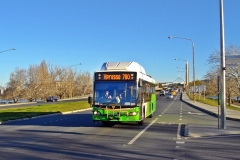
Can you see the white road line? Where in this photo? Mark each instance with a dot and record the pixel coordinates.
(180, 142)
(140, 133)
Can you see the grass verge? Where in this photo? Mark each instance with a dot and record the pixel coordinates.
(212, 102)
(43, 109)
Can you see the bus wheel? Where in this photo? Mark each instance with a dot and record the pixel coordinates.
(140, 122)
(105, 123)
(150, 116)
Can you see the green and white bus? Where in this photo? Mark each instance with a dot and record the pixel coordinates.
(131, 93)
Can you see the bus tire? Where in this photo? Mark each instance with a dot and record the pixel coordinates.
(105, 123)
(140, 122)
(150, 116)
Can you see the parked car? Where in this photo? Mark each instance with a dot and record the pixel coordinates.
(169, 95)
(51, 99)
(162, 93)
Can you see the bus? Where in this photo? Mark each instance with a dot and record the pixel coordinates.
(131, 93)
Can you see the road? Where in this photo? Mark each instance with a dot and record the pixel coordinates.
(17, 105)
(76, 136)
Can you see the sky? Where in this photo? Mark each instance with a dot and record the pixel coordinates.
(91, 32)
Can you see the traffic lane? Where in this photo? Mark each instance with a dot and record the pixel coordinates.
(162, 103)
(17, 105)
(158, 142)
(38, 137)
(168, 110)
(207, 147)
(211, 147)
(92, 146)
(180, 112)
(211, 142)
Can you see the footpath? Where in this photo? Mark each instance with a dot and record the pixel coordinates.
(194, 130)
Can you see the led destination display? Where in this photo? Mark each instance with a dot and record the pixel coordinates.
(115, 76)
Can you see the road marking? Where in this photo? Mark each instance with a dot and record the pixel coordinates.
(196, 113)
(180, 142)
(140, 133)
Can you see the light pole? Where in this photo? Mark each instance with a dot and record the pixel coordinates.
(194, 88)
(223, 68)
(187, 70)
(8, 50)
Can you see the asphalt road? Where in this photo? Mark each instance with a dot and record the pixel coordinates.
(76, 136)
(17, 105)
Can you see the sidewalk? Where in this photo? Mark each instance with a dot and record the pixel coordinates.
(203, 131)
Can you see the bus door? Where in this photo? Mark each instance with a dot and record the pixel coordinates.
(140, 102)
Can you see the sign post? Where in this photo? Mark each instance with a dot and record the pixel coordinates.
(218, 98)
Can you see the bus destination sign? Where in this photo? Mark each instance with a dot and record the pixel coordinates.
(115, 76)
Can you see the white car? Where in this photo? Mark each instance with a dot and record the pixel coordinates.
(162, 93)
(169, 95)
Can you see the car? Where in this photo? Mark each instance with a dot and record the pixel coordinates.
(169, 95)
(173, 93)
(162, 93)
(51, 99)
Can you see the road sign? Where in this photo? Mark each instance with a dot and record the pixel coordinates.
(232, 59)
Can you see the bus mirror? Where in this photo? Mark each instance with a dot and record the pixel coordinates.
(140, 83)
(90, 100)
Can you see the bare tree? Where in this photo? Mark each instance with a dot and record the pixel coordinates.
(15, 86)
(84, 84)
(33, 83)
(41, 81)
(233, 73)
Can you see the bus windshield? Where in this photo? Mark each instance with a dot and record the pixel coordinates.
(122, 93)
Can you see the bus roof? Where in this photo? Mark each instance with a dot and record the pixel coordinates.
(126, 66)
(129, 66)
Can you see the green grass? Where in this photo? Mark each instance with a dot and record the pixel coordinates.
(212, 102)
(38, 110)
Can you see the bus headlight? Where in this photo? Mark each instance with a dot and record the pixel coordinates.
(96, 113)
(132, 113)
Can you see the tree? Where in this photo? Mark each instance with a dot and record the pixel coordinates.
(41, 81)
(233, 73)
(15, 86)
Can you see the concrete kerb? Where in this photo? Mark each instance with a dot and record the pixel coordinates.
(207, 111)
(48, 115)
(201, 109)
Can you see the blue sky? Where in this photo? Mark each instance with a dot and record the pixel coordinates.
(91, 32)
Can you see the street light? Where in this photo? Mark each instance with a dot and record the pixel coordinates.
(187, 70)
(223, 67)
(76, 64)
(194, 89)
(8, 50)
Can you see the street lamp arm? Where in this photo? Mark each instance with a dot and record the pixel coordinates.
(76, 64)
(8, 50)
(180, 67)
(170, 37)
(180, 59)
